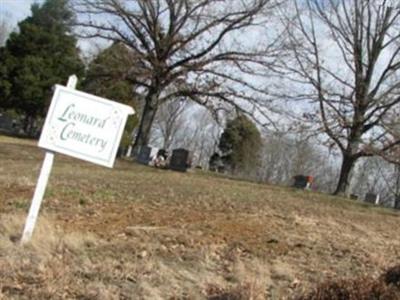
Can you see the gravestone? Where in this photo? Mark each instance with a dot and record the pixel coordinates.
(120, 152)
(397, 202)
(153, 152)
(215, 163)
(7, 123)
(144, 156)
(180, 160)
(302, 181)
(353, 197)
(371, 198)
(221, 169)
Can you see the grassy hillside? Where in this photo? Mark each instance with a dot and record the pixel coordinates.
(136, 232)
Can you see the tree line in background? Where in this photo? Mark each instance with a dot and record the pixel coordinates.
(267, 89)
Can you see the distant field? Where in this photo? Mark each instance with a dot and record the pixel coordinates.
(136, 232)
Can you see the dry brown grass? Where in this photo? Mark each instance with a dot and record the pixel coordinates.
(140, 233)
(385, 287)
(59, 265)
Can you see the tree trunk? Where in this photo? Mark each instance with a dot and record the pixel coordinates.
(167, 139)
(166, 145)
(146, 122)
(344, 178)
(396, 203)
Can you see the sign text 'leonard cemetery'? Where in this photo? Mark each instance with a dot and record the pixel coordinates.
(80, 125)
(84, 126)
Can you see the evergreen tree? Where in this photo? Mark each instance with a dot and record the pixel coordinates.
(42, 53)
(107, 73)
(240, 144)
(107, 77)
(5, 85)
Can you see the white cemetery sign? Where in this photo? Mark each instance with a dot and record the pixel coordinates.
(84, 126)
(79, 125)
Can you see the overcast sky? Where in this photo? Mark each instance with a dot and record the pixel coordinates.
(16, 10)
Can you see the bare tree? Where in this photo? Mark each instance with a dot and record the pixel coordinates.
(376, 175)
(285, 156)
(168, 121)
(345, 57)
(197, 132)
(205, 137)
(392, 125)
(188, 44)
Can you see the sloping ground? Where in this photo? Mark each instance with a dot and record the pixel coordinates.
(136, 232)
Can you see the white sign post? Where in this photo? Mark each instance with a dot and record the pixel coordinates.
(79, 125)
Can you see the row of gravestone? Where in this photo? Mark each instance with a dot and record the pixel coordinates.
(305, 182)
(375, 199)
(180, 159)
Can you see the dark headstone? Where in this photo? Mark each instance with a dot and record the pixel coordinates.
(215, 163)
(7, 123)
(144, 156)
(180, 160)
(120, 152)
(302, 181)
(370, 198)
(221, 169)
(397, 202)
(353, 197)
